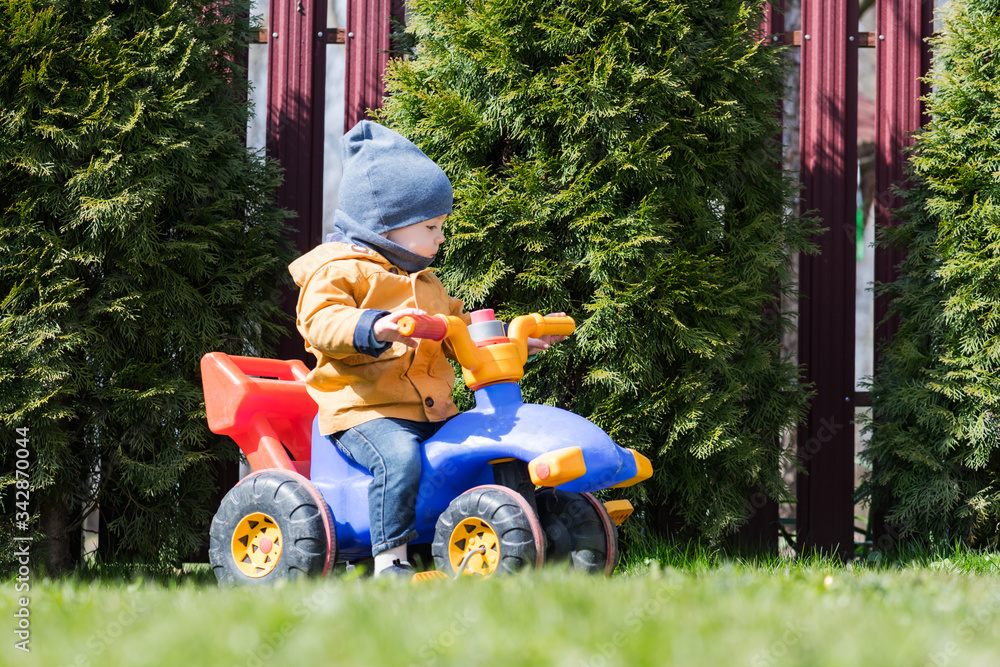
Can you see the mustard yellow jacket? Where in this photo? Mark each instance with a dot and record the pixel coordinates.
(338, 282)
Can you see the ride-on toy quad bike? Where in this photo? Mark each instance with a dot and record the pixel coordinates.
(305, 505)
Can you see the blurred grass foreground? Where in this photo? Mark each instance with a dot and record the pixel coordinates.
(666, 607)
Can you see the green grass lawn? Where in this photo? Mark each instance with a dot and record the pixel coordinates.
(690, 610)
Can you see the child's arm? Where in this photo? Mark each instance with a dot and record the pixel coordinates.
(386, 328)
(329, 319)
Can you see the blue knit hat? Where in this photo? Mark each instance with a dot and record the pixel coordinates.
(388, 182)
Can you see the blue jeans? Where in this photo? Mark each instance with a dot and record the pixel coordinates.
(390, 449)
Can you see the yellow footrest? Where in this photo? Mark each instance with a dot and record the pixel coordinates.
(618, 510)
(430, 575)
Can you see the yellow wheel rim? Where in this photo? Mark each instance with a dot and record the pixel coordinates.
(257, 545)
(476, 537)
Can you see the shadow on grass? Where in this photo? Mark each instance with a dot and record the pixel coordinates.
(697, 558)
(94, 569)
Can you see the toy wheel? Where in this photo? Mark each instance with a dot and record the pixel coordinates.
(492, 529)
(273, 525)
(579, 529)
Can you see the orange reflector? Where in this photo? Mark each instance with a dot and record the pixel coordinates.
(557, 467)
(644, 470)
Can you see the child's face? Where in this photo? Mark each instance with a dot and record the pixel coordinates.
(423, 238)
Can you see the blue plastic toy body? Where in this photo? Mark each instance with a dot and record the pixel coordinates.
(263, 404)
(458, 457)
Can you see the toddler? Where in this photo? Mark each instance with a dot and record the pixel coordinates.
(381, 394)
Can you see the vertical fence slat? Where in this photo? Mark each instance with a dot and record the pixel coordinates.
(773, 20)
(368, 28)
(902, 57)
(828, 140)
(296, 100)
(760, 533)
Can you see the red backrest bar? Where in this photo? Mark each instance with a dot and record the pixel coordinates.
(293, 370)
(264, 416)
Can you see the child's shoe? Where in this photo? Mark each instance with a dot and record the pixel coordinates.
(398, 570)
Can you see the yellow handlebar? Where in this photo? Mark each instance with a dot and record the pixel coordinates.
(562, 325)
(500, 361)
(534, 325)
(465, 348)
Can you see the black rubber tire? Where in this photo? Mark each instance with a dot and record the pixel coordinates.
(520, 539)
(309, 543)
(577, 531)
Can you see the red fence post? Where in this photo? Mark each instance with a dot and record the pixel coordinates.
(774, 19)
(760, 533)
(902, 57)
(368, 28)
(828, 138)
(296, 105)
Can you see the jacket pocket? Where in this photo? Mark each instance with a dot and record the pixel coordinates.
(395, 351)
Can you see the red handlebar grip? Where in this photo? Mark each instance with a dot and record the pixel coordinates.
(423, 326)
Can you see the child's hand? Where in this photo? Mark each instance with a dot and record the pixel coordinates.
(536, 345)
(386, 328)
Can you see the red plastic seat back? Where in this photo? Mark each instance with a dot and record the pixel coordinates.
(263, 405)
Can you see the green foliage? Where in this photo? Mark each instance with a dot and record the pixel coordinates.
(137, 234)
(616, 160)
(934, 441)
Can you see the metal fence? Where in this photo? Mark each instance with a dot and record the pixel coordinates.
(829, 40)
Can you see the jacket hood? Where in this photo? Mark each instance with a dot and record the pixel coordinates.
(305, 266)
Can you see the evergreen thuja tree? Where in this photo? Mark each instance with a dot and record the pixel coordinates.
(137, 233)
(936, 431)
(616, 160)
